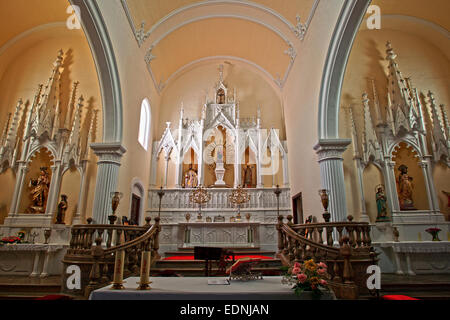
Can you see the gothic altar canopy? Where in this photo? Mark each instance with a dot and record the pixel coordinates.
(228, 150)
(220, 151)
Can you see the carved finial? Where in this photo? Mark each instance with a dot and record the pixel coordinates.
(221, 73)
(391, 55)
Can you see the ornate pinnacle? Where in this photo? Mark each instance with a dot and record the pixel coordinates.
(391, 55)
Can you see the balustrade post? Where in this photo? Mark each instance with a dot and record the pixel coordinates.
(280, 235)
(346, 252)
(155, 249)
(94, 276)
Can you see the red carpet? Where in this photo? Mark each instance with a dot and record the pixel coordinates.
(397, 297)
(237, 257)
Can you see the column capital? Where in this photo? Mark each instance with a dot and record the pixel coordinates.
(331, 149)
(109, 152)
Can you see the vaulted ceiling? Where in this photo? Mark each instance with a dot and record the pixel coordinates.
(20, 16)
(175, 34)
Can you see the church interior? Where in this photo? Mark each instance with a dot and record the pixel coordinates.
(243, 141)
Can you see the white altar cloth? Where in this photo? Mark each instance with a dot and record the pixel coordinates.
(197, 288)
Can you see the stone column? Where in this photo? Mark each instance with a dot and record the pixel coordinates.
(391, 185)
(285, 171)
(259, 155)
(55, 186)
(22, 172)
(166, 170)
(359, 171)
(81, 195)
(237, 160)
(332, 175)
(429, 184)
(109, 155)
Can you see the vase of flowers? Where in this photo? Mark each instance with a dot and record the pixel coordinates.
(308, 277)
(434, 233)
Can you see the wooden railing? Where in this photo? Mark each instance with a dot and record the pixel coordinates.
(344, 246)
(96, 248)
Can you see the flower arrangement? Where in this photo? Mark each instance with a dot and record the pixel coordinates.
(434, 233)
(14, 239)
(11, 239)
(309, 276)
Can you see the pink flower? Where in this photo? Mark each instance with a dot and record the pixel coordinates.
(323, 282)
(295, 270)
(322, 265)
(297, 265)
(301, 277)
(321, 271)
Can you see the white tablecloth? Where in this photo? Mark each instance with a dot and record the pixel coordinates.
(197, 288)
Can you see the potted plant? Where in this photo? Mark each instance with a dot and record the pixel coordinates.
(308, 277)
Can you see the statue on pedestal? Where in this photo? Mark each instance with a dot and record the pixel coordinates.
(62, 207)
(405, 189)
(39, 192)
(248, 176)
(381, 204)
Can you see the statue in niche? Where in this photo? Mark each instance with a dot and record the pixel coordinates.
(405, 189)
(220, 96)
(191, 178)
(248, 176)
(39, 192)
(62, 207)
(381, 204)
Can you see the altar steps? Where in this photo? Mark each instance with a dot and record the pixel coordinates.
(181, 263)
(26, 288)
(424, 287)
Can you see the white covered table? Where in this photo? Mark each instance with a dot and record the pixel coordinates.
(197, 288)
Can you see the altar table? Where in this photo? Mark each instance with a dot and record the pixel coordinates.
(197, 288)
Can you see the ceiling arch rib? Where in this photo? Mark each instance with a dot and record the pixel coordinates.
(221, 36)
(154, 15)
(220, 59)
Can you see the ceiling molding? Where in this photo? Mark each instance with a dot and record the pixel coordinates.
(211, 58)
(299, 29)
(28, 32)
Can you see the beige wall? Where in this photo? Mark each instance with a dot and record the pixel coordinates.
(429, 69)
(136, 85)
(28, 62)
(301, 103)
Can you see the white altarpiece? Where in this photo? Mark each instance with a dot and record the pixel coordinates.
(219, 140)
(34, 128)
(405, 122)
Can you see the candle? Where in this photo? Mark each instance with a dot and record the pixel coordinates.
(145, 271)
(118, 270)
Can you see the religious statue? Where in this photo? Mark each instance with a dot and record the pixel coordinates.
(248, 176)
(221, 97)
(190, 178)
(39, 192)
(405, 189)
(381, 204)
(62, 207)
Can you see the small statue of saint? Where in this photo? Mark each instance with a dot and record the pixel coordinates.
(39, 192)
(248, 176)
(381, 204)
(191, 178)
(405, 189)
(62, 207)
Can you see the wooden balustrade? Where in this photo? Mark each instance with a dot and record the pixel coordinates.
(94, 248)
(347, 257)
